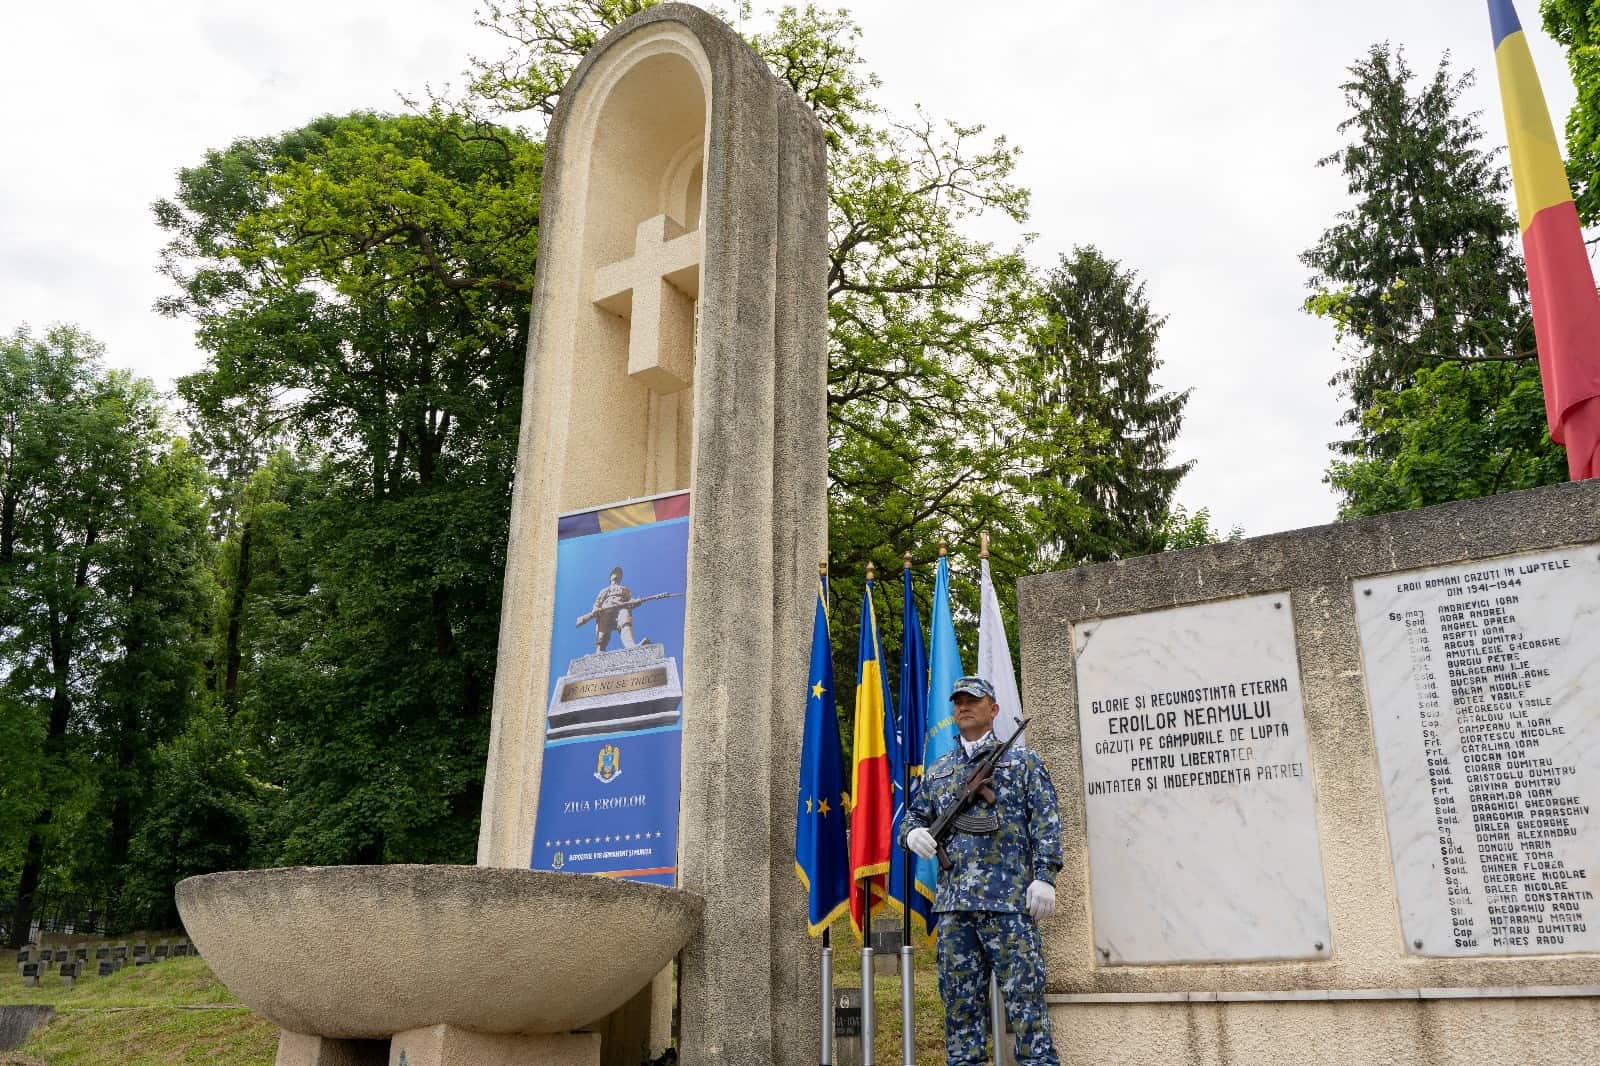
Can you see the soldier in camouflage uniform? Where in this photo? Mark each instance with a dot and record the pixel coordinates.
(990, 902)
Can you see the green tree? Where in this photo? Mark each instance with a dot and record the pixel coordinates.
(1421, 273)
(201, 817)
(162, 587)
(362, 285)
(100, 556)
(1105, 492)
(1576, 24)
(1184, 530)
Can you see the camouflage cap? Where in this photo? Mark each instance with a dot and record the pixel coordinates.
(972, 686)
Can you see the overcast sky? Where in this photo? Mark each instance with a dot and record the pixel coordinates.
(1179, 137)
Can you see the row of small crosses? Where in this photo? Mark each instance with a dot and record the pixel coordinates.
(601, 840)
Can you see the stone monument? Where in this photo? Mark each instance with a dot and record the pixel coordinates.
(1339, 791)
(678, 343)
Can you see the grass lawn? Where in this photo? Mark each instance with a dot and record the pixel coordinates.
(168, 1012)
(175, 1012)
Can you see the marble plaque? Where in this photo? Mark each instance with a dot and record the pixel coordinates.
(1202, 826)
(1483, 681)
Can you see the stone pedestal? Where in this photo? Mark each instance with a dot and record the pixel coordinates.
(629, 688)
(445, 1045)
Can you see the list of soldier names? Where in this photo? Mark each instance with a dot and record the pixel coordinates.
(1481, 688)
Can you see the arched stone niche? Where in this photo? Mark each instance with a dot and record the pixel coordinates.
(684, 180)
(638, 139)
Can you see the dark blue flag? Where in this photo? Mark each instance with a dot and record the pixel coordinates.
(913, 730)
(822, 855)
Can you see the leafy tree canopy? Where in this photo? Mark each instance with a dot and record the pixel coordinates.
(1576, 24)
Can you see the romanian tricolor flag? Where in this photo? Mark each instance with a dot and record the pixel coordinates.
(871, 793)
(1566, 309)
(821, 856)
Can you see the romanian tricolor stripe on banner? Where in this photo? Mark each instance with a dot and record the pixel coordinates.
(1566, 309)
(641, 513)
(871, 795)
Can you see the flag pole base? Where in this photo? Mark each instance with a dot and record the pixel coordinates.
(908, 1035)
(826, 1057)
(869, 1013)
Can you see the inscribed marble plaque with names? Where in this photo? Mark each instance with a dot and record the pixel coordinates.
(1201, 820)
(1484, 684)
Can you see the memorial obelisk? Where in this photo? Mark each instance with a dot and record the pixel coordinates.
(678, 343)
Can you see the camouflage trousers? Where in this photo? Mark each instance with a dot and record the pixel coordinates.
(970, 943)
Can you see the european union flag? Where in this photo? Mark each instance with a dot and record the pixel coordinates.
(913, 727)
(822, 856)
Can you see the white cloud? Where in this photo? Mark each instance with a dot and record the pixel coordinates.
(1179, 138)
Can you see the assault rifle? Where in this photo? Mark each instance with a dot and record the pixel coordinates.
(629, 605)
(976, 785)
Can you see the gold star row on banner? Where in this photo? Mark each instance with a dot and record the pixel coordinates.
(617, 839)
(820, 806)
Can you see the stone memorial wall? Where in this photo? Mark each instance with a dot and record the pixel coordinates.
(1328, 794)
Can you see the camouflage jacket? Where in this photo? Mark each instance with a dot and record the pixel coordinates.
(992, 869)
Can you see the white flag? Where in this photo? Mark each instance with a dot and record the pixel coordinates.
(994, 662)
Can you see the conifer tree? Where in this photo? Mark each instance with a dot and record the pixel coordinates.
(1091, 373)
(1424, 284)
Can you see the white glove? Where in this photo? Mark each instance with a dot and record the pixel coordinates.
(1041, 901)
(921, 841)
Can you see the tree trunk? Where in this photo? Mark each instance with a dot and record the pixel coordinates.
(32, 864)
(8, 527)
(241, 587)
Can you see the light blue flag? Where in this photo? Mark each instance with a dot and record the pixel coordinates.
(944, 670)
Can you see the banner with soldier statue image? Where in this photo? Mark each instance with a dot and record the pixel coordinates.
(608, 793)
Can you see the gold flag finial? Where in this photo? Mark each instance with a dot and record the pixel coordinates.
(983, 545)
(944, 547)
(907, 558)
(822, 568)
(872, 570)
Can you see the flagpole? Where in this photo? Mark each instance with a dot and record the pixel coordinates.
(825, 1044)
(869, 1017)
(997, 1016)
(826, 1057)
(908, 1043)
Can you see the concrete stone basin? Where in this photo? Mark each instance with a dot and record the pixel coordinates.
(369, 951)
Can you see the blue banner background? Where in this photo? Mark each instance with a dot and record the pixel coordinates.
(627, 826)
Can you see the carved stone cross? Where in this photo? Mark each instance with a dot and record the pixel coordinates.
(656, 290)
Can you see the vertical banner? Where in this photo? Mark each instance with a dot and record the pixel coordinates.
(608, 794)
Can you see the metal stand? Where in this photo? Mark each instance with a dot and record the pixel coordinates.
(826, 1056)
(869, 1014)
(908, 1036)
